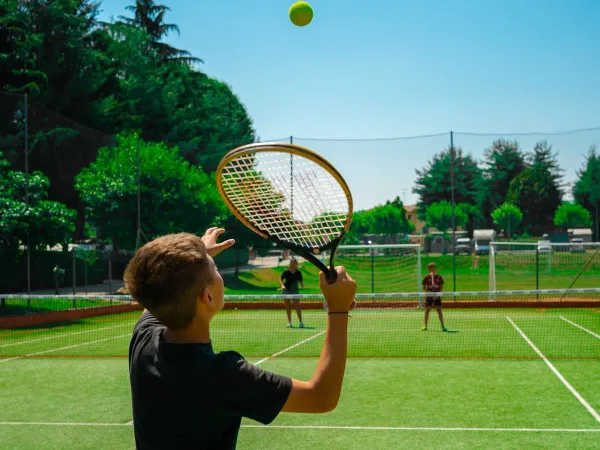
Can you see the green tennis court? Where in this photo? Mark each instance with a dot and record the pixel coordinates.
(511, 377)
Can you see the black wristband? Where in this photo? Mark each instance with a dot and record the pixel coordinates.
(339, 312)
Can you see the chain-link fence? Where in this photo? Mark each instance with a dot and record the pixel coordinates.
(36, 139)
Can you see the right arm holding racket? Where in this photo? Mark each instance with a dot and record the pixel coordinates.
(321, 393)
(295, 198)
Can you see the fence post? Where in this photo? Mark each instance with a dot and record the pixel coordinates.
(110, 272)
(419, 277)
(74, 274)
(537, 272)
(372, 271)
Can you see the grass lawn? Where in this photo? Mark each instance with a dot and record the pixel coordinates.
(482, 386)
(400, 274)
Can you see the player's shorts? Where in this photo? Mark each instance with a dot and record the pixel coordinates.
(433, 301)
(290, 292)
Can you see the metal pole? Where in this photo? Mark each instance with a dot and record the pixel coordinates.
(453, 206)
(110, 272)
(419, 276)
(74, 273)
(26, 144)
(597, 235)
(372, 271)
(139, 211)
(291, 180)
(537, 271)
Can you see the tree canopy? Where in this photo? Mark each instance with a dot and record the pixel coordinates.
(572, 215)
(175, 196)
(26, 216)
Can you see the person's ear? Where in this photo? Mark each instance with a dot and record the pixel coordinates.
(205, 296)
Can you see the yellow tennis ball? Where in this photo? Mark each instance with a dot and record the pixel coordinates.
(301, 14)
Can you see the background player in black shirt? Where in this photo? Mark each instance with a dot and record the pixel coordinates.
(290, 279)
(184, 395)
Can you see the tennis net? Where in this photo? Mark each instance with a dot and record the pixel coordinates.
(501, 324)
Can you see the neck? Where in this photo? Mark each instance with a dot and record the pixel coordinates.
(196, 333)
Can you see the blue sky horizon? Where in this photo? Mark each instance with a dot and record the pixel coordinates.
(384, 69)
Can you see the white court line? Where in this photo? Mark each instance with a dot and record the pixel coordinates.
(289, 348)
(65, 348)
(587, 406)
(334, 427)
(327, 427)
(63, 334)
(581, 328)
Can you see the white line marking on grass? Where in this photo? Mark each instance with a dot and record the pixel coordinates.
(67, 333)
(70, 424)
(587, 406)
(581, 328)
(289, 348)
(65, 348)
(327, 427)
(334, 427)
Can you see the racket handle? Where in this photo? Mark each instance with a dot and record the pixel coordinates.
(331, 275)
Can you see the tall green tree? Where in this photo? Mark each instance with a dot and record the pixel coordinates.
(433, 182)
(572, 215)
(360, 225)
(54, 51)
(150, 17)
(537, 190)
(174, 103)
(175, 196)
(389, 220)
(503, 161)
(586, 190)
(26, 217)
(507, 217)
(439, 215)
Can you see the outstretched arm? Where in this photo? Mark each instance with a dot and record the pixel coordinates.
(322, 392)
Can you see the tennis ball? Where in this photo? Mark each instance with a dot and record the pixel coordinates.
(301, 14)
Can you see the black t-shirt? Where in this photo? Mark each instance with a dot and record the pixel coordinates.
(185, 396)
(291, 279)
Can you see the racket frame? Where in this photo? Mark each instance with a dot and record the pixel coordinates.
(308, 254)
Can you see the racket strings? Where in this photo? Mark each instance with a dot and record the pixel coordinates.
(290, 197)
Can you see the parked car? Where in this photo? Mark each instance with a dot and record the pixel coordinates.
(463, 245)
(482, 249)
(577, 245)
(544, 247)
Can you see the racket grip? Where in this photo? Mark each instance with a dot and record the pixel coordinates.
(331, 275)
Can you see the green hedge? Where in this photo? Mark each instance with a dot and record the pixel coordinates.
(228, 258)
(13, 268)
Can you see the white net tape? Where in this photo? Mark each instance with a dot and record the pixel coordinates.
(287, 196)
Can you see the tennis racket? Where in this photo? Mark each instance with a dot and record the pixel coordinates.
(289, 195)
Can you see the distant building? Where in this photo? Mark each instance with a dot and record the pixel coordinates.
(411, 216)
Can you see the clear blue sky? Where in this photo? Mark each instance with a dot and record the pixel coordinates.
(393, 68)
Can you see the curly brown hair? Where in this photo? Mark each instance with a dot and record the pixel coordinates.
(167, 275)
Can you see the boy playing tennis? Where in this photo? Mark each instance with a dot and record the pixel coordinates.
(433, 283)
(183, 394)
(289, 281)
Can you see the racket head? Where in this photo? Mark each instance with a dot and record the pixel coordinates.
(287, 194)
